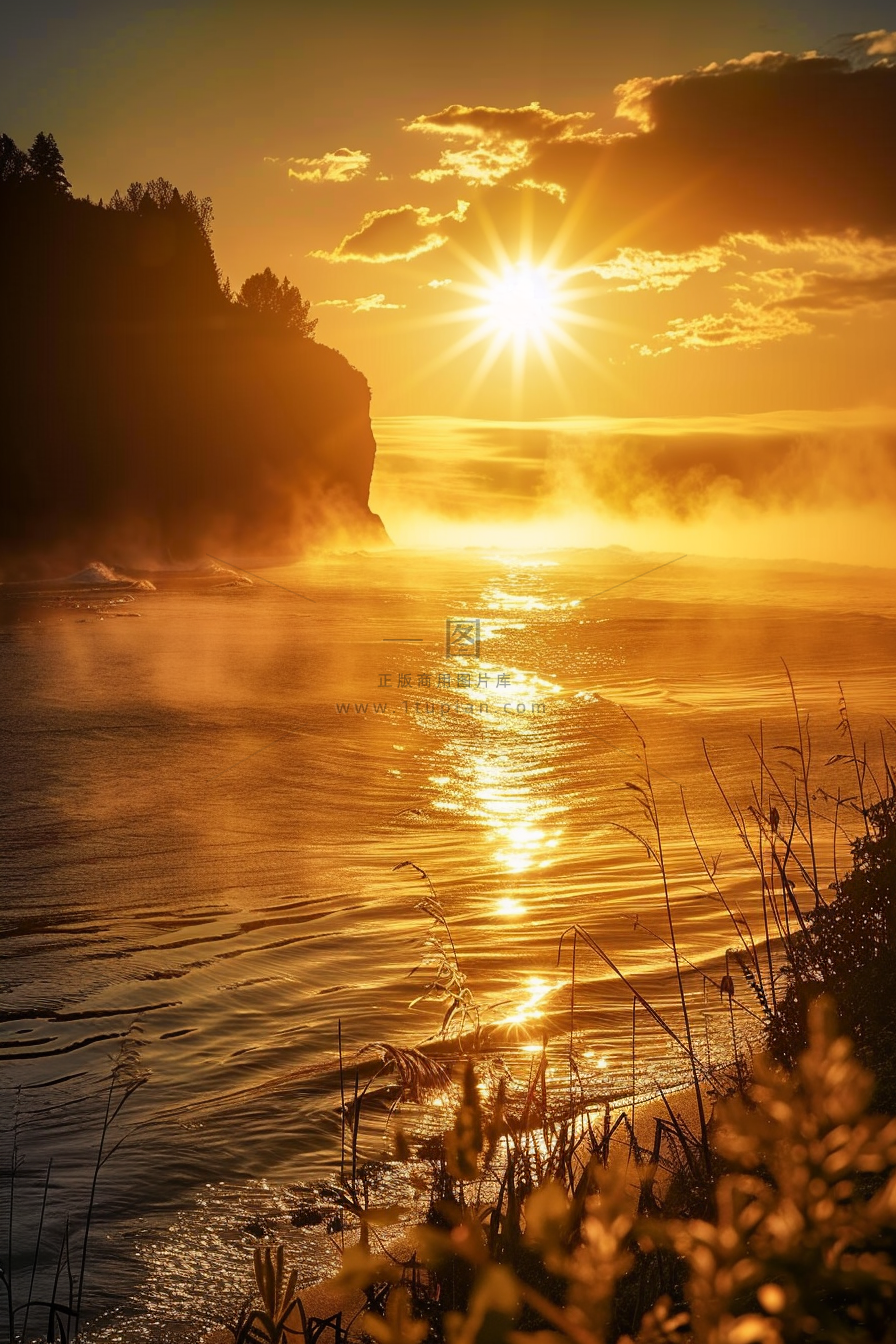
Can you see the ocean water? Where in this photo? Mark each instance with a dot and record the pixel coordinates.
(209, 787)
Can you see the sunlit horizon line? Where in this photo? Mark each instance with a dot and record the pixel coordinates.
(872, 416)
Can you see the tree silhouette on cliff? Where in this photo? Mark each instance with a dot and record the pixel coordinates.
(144, 198)
(277, 301)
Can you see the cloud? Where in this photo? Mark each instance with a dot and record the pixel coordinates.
(479, 164)
(635, 269)
(745, 324)
(636, 98)
(369, 304)
(530, 123)
(881, 42)
(399, 234)
(770, 143)
(843, 274)
(842, 283)
(549, 188)
(817, 292)
(495, 142)
(339, 165)
(850, 251)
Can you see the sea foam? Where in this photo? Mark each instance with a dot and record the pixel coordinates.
(98, 575)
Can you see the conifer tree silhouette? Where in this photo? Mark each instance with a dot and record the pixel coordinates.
(13, 162)
(45, 164)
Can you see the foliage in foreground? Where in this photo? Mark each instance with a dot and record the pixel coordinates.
(848, 949)
(775, 1221)
(801, 1244)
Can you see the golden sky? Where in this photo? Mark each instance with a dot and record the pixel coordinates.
(605, 212)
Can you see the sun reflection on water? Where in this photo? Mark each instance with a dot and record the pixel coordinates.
(524, 833)
(536, 990)
(496, 599)
(509, 907)
(506, 794)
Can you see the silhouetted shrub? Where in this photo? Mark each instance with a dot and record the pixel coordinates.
(848, 950)
(277, 302)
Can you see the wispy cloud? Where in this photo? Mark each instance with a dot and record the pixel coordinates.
(338, 165)
(370, 303)
(549, 188)
(479, 164)
(399, 234)
(632, 268)
(827, 276)
(745, 324)
(488, 144)
(850, 250)
(531, 123)
(820, 293)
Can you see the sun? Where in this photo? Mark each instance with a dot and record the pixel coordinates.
(522, 305)
(521, 302)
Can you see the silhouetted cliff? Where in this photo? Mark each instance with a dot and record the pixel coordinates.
(144, 413)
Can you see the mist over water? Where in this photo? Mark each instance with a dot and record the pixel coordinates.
(199, 840)
(813, 484)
